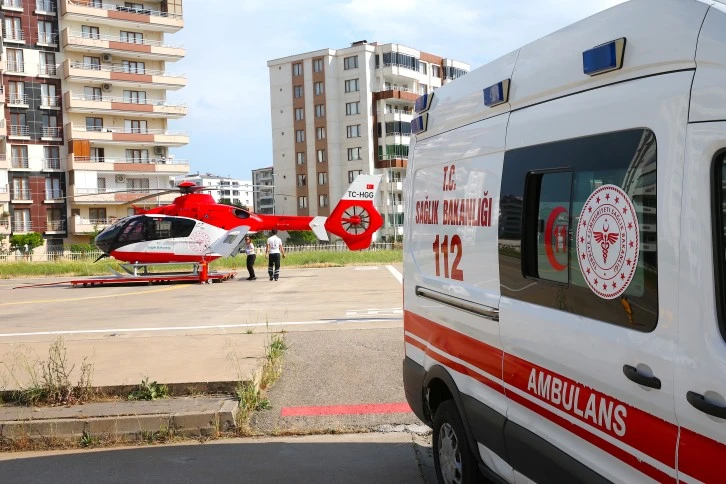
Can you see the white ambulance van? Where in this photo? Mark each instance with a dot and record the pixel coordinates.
(564, 261)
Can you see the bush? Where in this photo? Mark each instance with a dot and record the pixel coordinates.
(26, 242)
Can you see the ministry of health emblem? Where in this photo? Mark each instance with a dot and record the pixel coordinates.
(608, 241)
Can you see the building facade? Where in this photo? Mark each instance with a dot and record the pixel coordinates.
(236, 192)
(264, 190)
(340, 113)
(85, 112)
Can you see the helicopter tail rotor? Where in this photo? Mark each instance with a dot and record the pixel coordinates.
(355, 218)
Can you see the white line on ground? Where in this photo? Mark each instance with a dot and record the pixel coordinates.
(183, 328)
(396, 274)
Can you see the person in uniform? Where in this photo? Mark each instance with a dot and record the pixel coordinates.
(249, 248)
(274, 252)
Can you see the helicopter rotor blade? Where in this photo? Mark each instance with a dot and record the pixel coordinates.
(153, 195)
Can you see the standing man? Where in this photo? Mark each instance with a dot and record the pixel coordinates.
(251, 256)
(274, 251)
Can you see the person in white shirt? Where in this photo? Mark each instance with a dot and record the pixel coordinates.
(273, 252)
(251, 256)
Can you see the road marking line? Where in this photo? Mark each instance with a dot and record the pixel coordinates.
(362, 409)
(70, 299)
(396, 274)
(183, 328)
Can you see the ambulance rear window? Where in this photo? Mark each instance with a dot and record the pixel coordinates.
(577, 227)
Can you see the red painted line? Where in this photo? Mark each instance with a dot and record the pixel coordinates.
(362, 409)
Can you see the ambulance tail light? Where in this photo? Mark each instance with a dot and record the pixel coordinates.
(497, 94)
(418, 125)
(604, 58)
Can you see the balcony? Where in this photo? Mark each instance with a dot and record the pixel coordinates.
(47, 39)
(48, 70)
(4, 226)
(13, 36)
(18, 131)
(13, 5)
(3, 134)
(122, 76)
(55, 226)
(45, 7)
(17, 100)
(50, 102)
(110, 44)
(152, 108)
(80, 226)
(102, 196)
(121, 16)
(4, 161)
(14, 67)
(172, 166)
(21, 195)
(22, 226)
(51, 164)
(4, 195)
(396, 92)
(20, 164)
(53, 195)
(51, 133)
(148, 137)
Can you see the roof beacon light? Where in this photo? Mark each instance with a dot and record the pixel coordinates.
(423, 103)
(604, 58)
(497, 94)
(418, 125)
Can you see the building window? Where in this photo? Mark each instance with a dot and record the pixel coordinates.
(422, 67)
(19, 154)
(320, 133)
(132, 37)
(319, 88)
(435, 71)
(302, 180)
(453, 72)
(18, 125)
(101, 184)
(401, 60)
(51, 157)
(299, 114)
(135, 126)
(302, 202)
(350, 62)
(300, 135)
(49, 96)
(323, 178)
(15, 60)
(351, 85)
(133, 67)
(90, 32)
(352, 108)
(300, 155)
(322, 156)
(140, 185)
(91, 93)
(318, 65)
(353, 131)
(319, 110)
(135, 97)
(45, 33)
(98, 154)
(352, 174)
(297, 91)
(297, 69)
(91, 63)
(13, 29)
(354, 154)
(16, 92)
(50, 126)
(323, 201)
(97, 215)
(137, 156)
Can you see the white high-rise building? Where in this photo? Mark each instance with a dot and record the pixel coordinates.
(340, 113)
(231, 190)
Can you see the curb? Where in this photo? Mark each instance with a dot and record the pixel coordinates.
(127, 428)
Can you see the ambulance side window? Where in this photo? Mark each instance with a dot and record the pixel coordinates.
(577, 227)
(719, 229)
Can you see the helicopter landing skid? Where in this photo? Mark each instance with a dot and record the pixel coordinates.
(139, 274)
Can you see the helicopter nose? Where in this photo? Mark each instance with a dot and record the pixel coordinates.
(104, 240)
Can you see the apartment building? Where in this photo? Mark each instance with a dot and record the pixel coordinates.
(236, 192)
(264, 190)
(115, 68)
(337, 113)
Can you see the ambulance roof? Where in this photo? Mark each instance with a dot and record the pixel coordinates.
(661, 36)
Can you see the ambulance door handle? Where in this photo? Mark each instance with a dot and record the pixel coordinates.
(634, 375)
(700, 402)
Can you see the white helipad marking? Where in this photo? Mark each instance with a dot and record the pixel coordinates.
(185, 328)
(373, 312)
(395, 273)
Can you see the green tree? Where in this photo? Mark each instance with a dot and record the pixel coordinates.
(301, 237)
(26, 242)
(237, 203)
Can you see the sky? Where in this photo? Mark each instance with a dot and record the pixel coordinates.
(228, 44)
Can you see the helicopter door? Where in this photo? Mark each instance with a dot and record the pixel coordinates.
(229, 244)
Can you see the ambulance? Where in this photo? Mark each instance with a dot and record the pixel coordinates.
(565, 255)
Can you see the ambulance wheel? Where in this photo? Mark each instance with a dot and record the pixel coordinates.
(453, 459)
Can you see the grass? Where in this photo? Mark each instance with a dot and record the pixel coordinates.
(149, 391)
(61, 268)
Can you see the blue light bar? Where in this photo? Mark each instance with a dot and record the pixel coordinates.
(497, 94)
(423, 103)
(604, 58)
(419, 124)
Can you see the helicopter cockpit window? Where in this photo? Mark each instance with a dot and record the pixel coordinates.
(239, 213)
(159, 228)
(182, 227)
(133, 232)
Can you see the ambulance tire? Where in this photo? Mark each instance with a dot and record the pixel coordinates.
(453, 459)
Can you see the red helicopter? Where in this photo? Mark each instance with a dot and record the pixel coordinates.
(194, 228)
